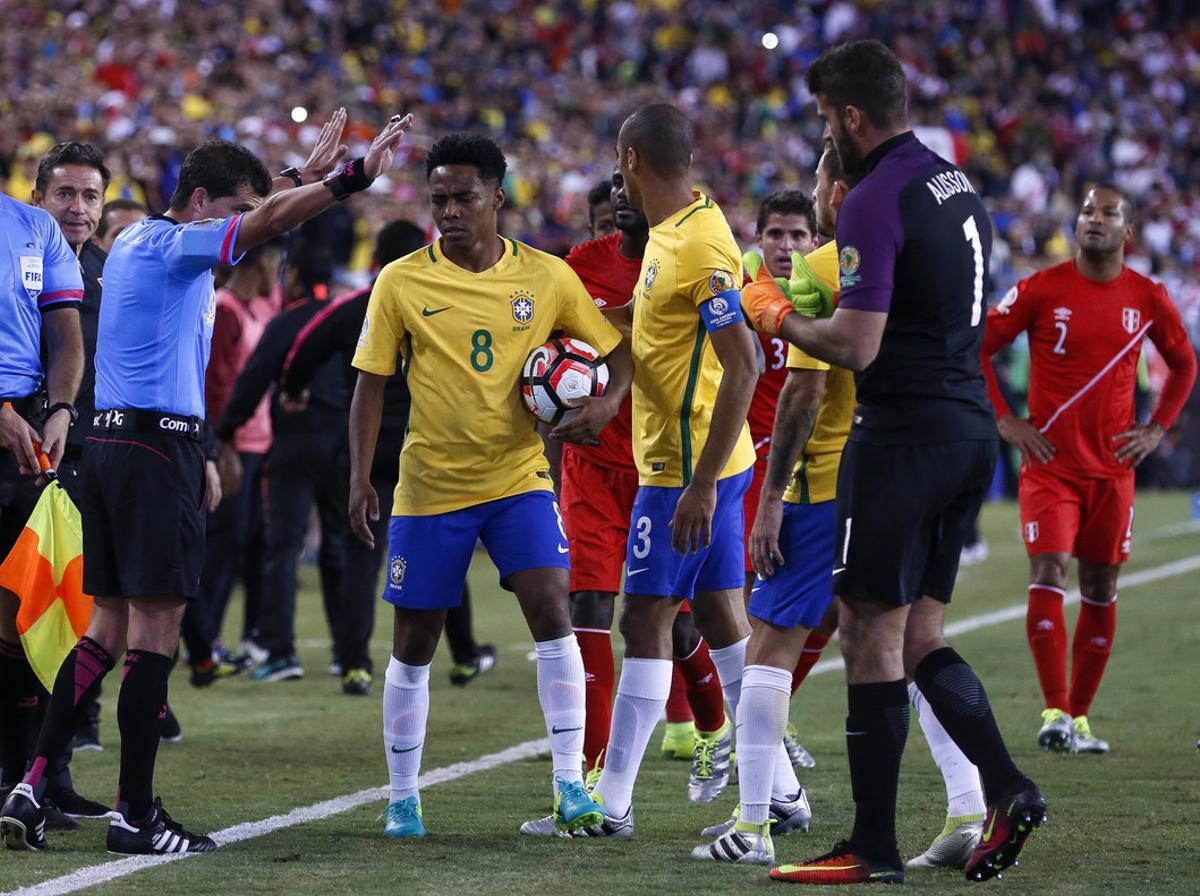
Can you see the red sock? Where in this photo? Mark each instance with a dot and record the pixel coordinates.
(678, 710)
(596, 647)
(809, 655)
(703, 689)
(1047, 633)
(1090, 651)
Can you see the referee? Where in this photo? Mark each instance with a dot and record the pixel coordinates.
(40, 292)
(143, 470)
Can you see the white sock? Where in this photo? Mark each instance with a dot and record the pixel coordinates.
(730, 662)
(560, 691)
(762, 719)
(405, 714)
(964, 792)
(785, 784)
(641, 697)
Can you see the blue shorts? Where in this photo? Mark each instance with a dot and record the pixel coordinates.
(428, 556)
(801, 590)
(654, 568)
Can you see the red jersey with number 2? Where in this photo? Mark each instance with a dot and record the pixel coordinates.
(610, 278)
(1084, 341)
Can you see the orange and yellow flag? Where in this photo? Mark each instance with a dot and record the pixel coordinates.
(45, 571)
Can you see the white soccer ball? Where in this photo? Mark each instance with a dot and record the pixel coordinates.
(561, 370)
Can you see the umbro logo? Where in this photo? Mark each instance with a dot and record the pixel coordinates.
(1045, 625)
(705, 680)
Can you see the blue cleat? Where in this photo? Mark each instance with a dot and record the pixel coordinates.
(404, 819)
(574, 807)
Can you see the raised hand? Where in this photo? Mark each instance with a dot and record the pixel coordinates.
(383, 148)
(328, 150)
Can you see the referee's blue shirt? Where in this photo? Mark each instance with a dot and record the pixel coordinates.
(39, 272)
(156, 319)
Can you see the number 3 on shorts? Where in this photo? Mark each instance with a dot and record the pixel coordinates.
(641, 550)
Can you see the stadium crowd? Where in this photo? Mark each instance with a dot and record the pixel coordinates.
(1036, 99)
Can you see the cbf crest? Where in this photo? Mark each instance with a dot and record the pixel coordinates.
(396, 569)
(522, 309)
(1131, 319)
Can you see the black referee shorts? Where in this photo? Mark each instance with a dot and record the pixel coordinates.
(142, 499)
(904, 512)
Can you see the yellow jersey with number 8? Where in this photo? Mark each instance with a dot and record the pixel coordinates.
(690, 258)
(462, 338)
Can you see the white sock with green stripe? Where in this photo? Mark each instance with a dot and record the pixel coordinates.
(641, 697)
(560, 685)
(405, 715)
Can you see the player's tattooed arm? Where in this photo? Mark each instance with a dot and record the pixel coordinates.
(795, 417)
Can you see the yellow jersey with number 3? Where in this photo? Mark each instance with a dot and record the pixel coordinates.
(690, 258)
(814, 478)
(463, 338)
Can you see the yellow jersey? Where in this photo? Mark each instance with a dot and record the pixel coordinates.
(815, 477)
(463, 338)
(690, 258)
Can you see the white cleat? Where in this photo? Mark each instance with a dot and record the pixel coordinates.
(797, 755)
(710, 764)
(953, 846)
(615, 828)
(543, 827)
(1056, 732)
(1082, 739)
(740, 847)
(786, 815)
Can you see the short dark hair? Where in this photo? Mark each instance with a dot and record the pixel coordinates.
(832, 163)
(397, 239)
(468, 149)
(117, 205)
(662, 136)
(222, 168)
(787, 202)
(312, 262)
(863, 73)
(601, 194)
(70, 153)
(1127, 209)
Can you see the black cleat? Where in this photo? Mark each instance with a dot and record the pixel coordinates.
(77, 806)
(22, 820)
(169, 731)
(1005, 830)
(462, 674)
(357, 683)
(56, 819)
(87, 736)
(158, 834)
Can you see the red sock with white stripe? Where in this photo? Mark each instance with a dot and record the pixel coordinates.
(703, 688)
(1046, 630)
(599, 677)
(814, 645)
(1090, 651)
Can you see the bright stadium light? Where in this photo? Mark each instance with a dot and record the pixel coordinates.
(299, 114)
(770, 40)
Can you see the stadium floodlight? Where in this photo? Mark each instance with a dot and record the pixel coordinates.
(299, 114)
(770, 40)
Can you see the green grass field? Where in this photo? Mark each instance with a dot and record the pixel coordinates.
(1125, 823)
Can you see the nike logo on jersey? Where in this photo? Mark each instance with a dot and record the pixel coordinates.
(563, 549)
(838, 569)
(634, 572)
(554, 729)
(430, 312)
(396, 749)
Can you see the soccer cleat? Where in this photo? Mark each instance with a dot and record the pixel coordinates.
(22, 820)
(543, 827)
(211, 669)
(462, 674)
(74, 805)
(170, 732)
(1056, 732)
(1005, 831)
(710, 764)
(742, 844)
(953, 846)
(158, 834)
(614, 828)
(786, 815)
(404, 818)
(574, 807)
(799, 757)
(592, 778)
(679, 740)
(56, 819)
(87, 736)
(283, 668)
(840, 866)
(1082, 739)
(357, 683)
(249, 654)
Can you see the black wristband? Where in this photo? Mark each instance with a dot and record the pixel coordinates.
(62, 406)
(350, 178)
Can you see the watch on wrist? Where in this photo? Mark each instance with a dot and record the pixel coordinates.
(293, 173)
(63, 406)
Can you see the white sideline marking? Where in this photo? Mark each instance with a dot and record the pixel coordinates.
(94, 875)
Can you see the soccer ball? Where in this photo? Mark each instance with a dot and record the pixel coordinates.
(559, 371)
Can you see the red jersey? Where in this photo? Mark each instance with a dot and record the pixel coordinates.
(610, 278)
(1084, 341)
(761, 415)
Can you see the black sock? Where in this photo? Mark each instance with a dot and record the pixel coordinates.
(961, 705)
(77, 684)
(19, 688)
(140, 708)
(876, 728)
(459, 634)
